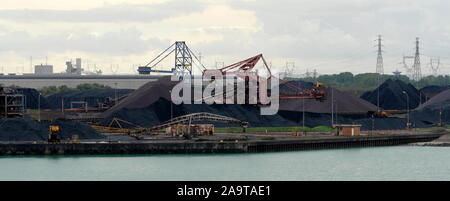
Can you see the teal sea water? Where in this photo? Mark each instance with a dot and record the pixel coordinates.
(377, 163)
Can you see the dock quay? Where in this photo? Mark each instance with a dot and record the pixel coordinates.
(204, 146)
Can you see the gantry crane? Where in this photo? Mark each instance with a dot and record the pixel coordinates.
(184, 60)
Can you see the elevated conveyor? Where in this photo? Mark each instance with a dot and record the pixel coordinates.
(196, 117)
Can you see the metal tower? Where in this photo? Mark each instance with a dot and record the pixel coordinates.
(315, 74)
(380, 69)
(434, 65)
(183, 58)
(417, 74)
(409, 70)
(307, 74)
(289, 69)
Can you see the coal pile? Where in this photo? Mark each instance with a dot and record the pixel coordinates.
(69, 128)
(146, 95)
(151, 105)
(392, 96)
(32, 99)
(161, 111)
(343, 103)
(433, 90)
(19, 129)
(435, 110)
(367, 123)
(288, 89)
(441, 100)
(92, 97)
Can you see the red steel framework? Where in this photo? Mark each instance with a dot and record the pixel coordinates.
(245, 66)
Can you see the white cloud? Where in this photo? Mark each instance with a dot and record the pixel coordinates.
(207, 26)
(69, 5)
(110, 13)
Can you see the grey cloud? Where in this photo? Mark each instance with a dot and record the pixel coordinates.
(307, 30)
(399, 21)
(110, 13)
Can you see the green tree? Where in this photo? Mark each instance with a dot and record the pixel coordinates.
(50, 90)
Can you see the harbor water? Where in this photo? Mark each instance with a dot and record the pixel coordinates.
(373, 163)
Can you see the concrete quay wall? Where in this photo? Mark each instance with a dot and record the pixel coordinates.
(177, 147)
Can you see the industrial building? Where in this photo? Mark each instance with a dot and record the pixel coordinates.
(73, 76)
(43, 69)
(77, 70)
(347, 129)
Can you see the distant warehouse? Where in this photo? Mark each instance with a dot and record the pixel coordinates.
(43, 69)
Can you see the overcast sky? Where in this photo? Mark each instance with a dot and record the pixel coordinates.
(328, 35)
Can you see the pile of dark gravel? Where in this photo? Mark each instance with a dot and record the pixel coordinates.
(288, 86)
(92, 97)
(150, 105)
(343, 102)
(20, 129)
(435, 109)
(161, 111)
(316, 119)
(433, 90)
(32, 99)
(441, 100)
(392, 96)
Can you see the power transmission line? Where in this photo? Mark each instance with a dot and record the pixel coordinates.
(379, 68)
(435, 65)
(417, 71)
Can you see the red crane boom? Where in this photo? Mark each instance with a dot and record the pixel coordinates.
(245, 66)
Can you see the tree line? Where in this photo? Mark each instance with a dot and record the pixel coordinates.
(50, 90)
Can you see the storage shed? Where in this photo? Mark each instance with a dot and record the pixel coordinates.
(347, 129)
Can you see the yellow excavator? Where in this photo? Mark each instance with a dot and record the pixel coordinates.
(54, 132)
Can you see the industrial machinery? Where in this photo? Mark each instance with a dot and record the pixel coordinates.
(388, 113)
(201, 116)
(190, 129)
(82, 106)
(11, 103)
(198, 117)
(246, 66)
(110, 102)
(79, 110)
(117, 123)
(125, 127)
(54, 134)
(184, 60)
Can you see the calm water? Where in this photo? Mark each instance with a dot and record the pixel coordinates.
(380, 163)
